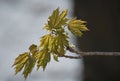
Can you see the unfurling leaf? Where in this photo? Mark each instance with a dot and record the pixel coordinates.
(20, 62)
(43, 59)
(56, 20)
(77, 26)
(26, 62)
(61, 43)
(33, 48)
(29, 65)
(44, 41)
(44, 54)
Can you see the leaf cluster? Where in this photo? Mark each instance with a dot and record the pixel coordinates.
(54, 44)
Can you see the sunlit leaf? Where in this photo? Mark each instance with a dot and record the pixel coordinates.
(20, 65)
(56, 20)
(44, 54)
(51, 46)
(20, 61)
(20, 58)
(24, 61)
(29, 65)
(43, 59)
(77, 26)
(61, 20)
(44, 41)
(61, 43)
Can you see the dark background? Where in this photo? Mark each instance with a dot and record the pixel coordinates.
(103, 20)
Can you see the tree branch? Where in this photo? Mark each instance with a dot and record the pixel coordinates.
(84, 54)
(71, 57)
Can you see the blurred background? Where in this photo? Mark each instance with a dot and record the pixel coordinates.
(21, 24)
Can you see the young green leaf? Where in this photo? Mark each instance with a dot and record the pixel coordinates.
(43, 59)
(61, 43)
(20, 61)
(44, 53)
(24, 61)
(56, 20)
(44, 41)
(77, 26)
(29, 65)
(52, 45)
(33, 48)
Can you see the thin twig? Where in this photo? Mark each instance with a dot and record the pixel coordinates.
(71, 57)
(84, 54)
